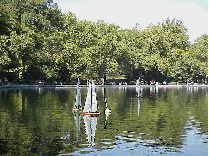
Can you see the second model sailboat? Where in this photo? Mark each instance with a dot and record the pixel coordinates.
(78, 105)
(90, 107)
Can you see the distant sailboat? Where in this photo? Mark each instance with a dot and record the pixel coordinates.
(78, 104)
(90, 107)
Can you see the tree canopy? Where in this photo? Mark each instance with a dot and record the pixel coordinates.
(38, 42)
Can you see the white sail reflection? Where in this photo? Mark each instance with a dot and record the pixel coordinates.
(78, 123)
(90, 123)
(138, 91)
(138, 106)
(156, 89)
(139, 94)
(152, 90)
(107, 110)
(164, 89)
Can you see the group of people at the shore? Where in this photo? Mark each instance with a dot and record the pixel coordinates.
(138, 82)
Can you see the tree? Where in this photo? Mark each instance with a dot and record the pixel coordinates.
(163, 46)
(128, 52)
(106, 43)
(197, 61)
(37, 41)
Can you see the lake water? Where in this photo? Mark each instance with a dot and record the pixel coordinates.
(143, 121)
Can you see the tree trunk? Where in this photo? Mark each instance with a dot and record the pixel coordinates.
(23, 70)
(105, 77)
(165, 74)
(131, 75)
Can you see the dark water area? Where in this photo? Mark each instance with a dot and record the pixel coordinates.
(143, 121)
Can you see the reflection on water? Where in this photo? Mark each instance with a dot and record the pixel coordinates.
(90, 127)
(143, 121)
(139, 91)
(78, 124)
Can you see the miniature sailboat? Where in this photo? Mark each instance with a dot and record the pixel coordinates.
(78, 105)
(90, 107)
(138, 91)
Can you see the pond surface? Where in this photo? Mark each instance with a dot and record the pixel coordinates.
(143, 121)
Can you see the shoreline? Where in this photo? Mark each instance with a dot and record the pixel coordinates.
(109, 86)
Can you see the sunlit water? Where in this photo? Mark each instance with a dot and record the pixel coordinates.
(143, 121)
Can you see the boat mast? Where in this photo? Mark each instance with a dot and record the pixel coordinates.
(91, 97)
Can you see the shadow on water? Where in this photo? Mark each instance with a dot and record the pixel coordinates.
(143, 121)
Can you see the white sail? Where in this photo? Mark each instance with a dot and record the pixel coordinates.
(94, 100)
(78, 98)
(77, 102)
(87, 107)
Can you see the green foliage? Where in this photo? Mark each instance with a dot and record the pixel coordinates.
(36, 35)
(198, 60)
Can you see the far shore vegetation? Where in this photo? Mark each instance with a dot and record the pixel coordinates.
(39, 43)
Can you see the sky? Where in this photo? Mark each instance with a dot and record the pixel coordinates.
(126, 13)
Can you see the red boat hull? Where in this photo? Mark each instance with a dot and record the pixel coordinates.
(84, 114)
